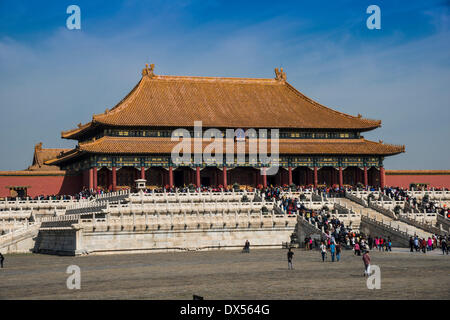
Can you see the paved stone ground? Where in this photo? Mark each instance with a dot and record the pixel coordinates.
(262, 274)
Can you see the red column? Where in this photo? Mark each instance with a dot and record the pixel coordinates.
(341, 177)
(94, 171)
(366, 179)
(224, 176)
(142, 172)
(316, 180)
(264, 178)
(290, 175)
(382, 176)
(91, 178)
(171, 177)
(114, 179)
(197, 176)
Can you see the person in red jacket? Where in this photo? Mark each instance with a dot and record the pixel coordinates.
(366, 260)
(424, 245)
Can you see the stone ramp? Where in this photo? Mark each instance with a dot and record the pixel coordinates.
(406, 230)
(304, 229)
(20, 240)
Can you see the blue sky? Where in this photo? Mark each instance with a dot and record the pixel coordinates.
(52, 78)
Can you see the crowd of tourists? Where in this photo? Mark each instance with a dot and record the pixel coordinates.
(359, 244)
(417, 244)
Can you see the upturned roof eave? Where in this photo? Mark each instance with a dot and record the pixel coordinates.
(358, 123)
(73, 153)
(110, 145)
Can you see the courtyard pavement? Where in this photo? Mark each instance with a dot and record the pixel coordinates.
(260, 274)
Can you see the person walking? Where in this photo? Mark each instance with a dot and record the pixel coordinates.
(333, 251)
(247, 246)
(424, 245)
(444, 246)
(389, 244)
(366, 260)
(338, 252)
(416, 243)
(290, 254)
(411, 244)
(430, 244)
(323, 251)
(2, 258)
(357, 249)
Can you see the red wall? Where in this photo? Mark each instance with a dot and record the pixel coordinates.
(404, 180)
(41, 185)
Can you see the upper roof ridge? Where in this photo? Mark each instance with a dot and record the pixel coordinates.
(221, 102)
(213, 79)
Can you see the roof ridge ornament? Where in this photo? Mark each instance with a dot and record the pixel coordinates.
(280, 75)
(148, 71)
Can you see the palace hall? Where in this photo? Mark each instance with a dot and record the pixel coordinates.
(132, 140)
(317, 146)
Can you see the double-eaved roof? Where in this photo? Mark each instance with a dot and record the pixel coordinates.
(176, 101)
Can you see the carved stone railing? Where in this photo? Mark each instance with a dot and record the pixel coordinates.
(398, 236)
(424, 226)
(116, 196)
(185, 221)
(433, 194)
(88, 207)
(37, 204)
(199, 207)
(384, 211)
(341, 209)
(213, 196)
(356, 199)
(15, 214)
(443, 221)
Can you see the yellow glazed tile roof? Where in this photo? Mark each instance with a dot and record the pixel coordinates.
(177, 101)
(133, 145)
